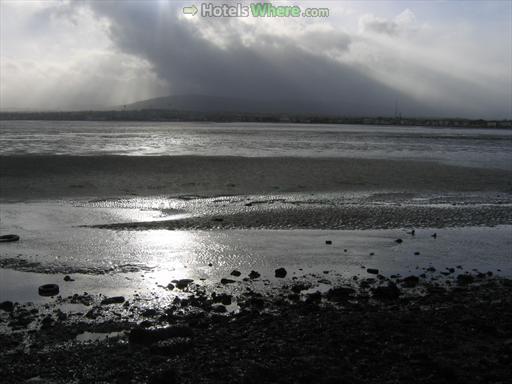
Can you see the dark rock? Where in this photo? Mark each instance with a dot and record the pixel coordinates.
(150, 312)
(254, 275)
(280, 273)
(373, 271)
(152, 335)
(399, 241)
(68, 278)
(227, 281)
(389, 292)
(410, 281)
(112, 300)
(48, 290)
(219, 308)
(223, 298)
(416, 253)
(183, 283)
(434, 235)
(7, 306)
(465, 279)
(299, 287)
(340, 293)
(170, 286)
(328, 242)
(236, 273)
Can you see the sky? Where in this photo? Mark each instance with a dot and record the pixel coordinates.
(430, 58)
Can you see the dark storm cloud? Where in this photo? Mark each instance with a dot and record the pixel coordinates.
(274, 66)
(111, 53)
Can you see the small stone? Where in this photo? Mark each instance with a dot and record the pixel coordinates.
(410, 281)
(399, 241)
(236, 273)
(68, 278)
(223, 298)
(328, 242)
(254, 275)
(7, 306)
(373, 271)
(219, 308)
(183, 283)
(48, 290)
(280, 273)
(170, 286)
(112, 300)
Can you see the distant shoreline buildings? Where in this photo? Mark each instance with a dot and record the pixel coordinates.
(226, 117)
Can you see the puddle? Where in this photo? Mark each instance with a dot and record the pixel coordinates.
(90, 337)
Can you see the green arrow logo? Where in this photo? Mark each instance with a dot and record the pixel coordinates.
(190, 10)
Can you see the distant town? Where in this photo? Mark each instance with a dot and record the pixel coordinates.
(192, 116)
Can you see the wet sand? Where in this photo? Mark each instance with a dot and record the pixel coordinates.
(48, 177)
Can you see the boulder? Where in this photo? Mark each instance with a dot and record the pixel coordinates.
(280, 273)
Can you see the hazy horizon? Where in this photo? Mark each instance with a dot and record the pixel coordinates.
(438, 59)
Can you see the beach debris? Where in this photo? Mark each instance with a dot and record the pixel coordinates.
(280, 273)
(236, 273)
(372, 271)
(183, 283)
(399, 241)
(68, 278)
(227, 281)
(7, 306)
(147, 336)
(254, 275)
(328, 242)
(9, 238)
(113, 300)
(48, 290)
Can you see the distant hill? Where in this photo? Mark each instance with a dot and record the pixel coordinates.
(206, 103)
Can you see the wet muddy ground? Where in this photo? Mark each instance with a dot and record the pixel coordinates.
(450, 327)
